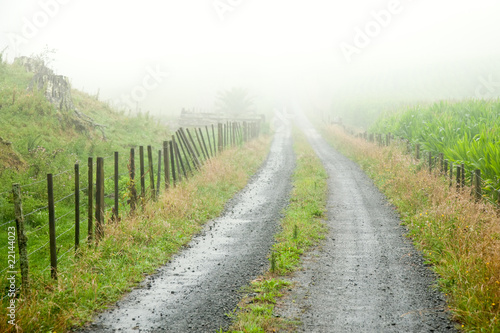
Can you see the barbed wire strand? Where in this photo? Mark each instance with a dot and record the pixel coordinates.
(66, 231)
(60, 217)
(34, 183)
(32, 231)
(1, 225)
(64, 198)
(41, 247)
(35, 211)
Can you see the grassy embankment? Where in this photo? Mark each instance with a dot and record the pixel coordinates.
(39, 139)
(302, 228)
(458, 236)
(136, 246)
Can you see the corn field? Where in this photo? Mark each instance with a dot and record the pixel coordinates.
(465, 132)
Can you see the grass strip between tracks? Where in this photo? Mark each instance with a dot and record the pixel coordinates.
(302, 228)
(135, 247)
(458, 236)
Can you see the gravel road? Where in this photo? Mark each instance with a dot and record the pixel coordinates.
(194, 291)
(366, 276)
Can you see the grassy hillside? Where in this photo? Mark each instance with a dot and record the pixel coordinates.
(36, 138)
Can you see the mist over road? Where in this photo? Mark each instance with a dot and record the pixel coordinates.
(366, 276)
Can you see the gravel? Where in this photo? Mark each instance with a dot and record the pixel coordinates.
(366, 276)
(196, 289)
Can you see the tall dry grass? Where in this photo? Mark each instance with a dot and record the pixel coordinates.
(457, 235)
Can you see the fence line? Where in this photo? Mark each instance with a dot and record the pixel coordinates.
(446, 167)
(183, 155)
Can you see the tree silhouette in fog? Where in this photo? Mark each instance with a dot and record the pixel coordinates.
(235, 101)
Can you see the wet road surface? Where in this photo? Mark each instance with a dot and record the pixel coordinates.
(366, 276)
(194, 291)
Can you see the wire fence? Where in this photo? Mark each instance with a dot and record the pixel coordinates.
(481, 189)
(52, 221)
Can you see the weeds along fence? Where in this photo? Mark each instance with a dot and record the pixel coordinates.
(87, 196)
(457, 174)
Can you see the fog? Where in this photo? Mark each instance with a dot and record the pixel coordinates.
(335, 57)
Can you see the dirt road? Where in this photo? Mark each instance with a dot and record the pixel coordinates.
(366, 276)
(194, 291)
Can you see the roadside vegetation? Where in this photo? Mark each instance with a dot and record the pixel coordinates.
(458, 236)
(36, 139)
(135, 246)
(301, 228)
(465, 132)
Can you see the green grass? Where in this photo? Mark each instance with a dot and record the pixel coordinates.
(36, 139)
(302, 228)
(134, 247)
(465, 132)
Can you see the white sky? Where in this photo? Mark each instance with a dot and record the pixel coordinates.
(273, 48)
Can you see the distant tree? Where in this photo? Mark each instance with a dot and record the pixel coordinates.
(235, 101)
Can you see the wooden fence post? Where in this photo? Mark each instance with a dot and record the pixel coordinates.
(213, 137)
(477, 184)
(203, 142)
(430, 162)
(245, 139)
(132, 188)
(198, 156)
(219, 135)
(233, 133)
(200, 144)
(52, 227)
(190, 150)
(224, 136)
(418, 151)
(77, 207)
(158, 176)
(22, 241)
(462, 166)
(209, 143)
(116, 217)
(151, 173)
(451, 174)
(186, 157)
(179, 161)
(99, 200)
(166, 165)
(177, 157)
(90, 203)
(444, 170)
(172, 162)
(142, 173)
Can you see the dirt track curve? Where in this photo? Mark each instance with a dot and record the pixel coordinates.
(366, 276)
(194, 291)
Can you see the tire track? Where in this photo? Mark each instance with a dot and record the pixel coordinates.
(195, 290)
(366, 276)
